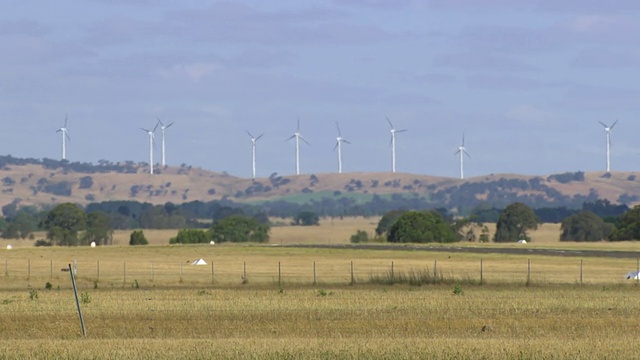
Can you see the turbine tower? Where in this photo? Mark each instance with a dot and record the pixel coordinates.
(151, 132)
(163, 128)
(253, 153)
(607, 130)
(65, 136)
(339, 141)
(393, 144)
(298, 137)
(462, 151)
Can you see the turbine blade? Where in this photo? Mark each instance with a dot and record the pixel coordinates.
(614, 124)
(346, 141)
(336, 146)
(298, 128)
(168, 126)
(338, 126)
(462, 139)
(66, 133)
(160, 121)
(248, 133)
(466, 153)
(403, 130)
(65, 120)
(389, 121)
(291, 137)
(303, 139)
(145, 130)
(155, 127)
(603, 124)
(259, 136)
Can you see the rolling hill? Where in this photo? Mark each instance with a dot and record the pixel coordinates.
(40, 182)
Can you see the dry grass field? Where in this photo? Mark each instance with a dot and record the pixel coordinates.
(274, 302)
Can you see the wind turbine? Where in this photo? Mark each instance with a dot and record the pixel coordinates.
(462, 151)
(298, 137)
(65, 135)
(607, 130)
(393, 144)
(339, 141)
(253, 153)
(163, 128)
(151, 132)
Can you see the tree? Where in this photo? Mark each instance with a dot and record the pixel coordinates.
(427, 226)
(98, 229)
(360, 236)
(191, 236)
(306, 218)
(237, 228)
(63, 224)
(21, 225)
(388, 220)
(629, 228)
(585, 226)
(514, 222)
(137, 238)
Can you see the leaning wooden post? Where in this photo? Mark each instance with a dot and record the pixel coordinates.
(279, 274)
(435, 271)
(75, 292)
(528, 271)
(51, 269)
(392, 273)
(481, 279)
(28, 269)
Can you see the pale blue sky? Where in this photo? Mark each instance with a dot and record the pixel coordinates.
(527, 81)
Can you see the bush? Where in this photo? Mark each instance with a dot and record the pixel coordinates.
(360, 237)
(191, 236)
(237, 228)
(428, 226)
(137, 238)
(585, 226)
(306, 218)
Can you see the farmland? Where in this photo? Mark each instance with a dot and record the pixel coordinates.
(273, 301)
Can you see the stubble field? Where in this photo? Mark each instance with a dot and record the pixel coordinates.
(262, 302)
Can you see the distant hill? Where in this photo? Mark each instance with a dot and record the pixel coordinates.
(41, 182)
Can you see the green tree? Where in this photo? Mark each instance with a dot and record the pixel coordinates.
(387, 220)
(21, 225)
(98, 229)
(137, 238)
(238, 228)
(191, 236)
(426, 226)
(360, 236)
(514, 222)
(306, 218)
(585, 226)
(63, 224)
(629, 226)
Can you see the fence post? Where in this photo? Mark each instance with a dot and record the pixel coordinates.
(28, 269)
(580, 271)
(6, 268)
(51, 270)
(279, 274)
(528, 271)
(124, 273)
(481, 278)
(244, 272)
(352, 278)
(212, 272)
(637, 271)
(392, 272)
(314, 273)
(97, 269)
(152, 272)
(180, 271)
(435, 271)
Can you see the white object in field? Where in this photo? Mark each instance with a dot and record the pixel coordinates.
(93, 244)
(212, 242)
(9, 247)
(633, 275)
(199, 262)
(523, 241)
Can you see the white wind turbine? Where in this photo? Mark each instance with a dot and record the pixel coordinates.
(607, 130)
(462, 151)
(339, 141)
(298, 137)
(393, 144)
(151, 141)
(65, 136)
(253, 153)
(163, 128)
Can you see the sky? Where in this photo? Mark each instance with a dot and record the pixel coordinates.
(527, 82)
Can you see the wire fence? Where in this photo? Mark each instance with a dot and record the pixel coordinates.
(18, 273)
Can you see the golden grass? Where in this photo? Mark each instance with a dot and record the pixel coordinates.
(368, 322)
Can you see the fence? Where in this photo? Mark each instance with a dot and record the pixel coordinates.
(18, 273)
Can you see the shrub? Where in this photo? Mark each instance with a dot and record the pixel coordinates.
(137, 238)
(360, 237)
(191, 236)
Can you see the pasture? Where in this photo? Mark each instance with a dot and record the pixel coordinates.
(273, 302)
